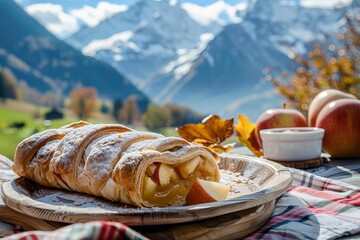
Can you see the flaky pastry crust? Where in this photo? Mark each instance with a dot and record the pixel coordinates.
(106, 160)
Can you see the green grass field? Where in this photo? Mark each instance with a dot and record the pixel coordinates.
(11, 137)
(14, 111)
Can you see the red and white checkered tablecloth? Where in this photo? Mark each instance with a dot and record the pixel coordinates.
(313, 208)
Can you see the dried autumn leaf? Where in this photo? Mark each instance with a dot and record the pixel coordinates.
(197, 133)
(222, 129)
(245, 131)
(211, 132)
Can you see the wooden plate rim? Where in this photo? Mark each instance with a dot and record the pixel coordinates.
(15, 199)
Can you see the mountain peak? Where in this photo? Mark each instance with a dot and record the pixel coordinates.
(219, 12)
(232, 64)
(147, 36)
(51, 64)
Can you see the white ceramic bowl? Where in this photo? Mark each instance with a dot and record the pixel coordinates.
(292, 144)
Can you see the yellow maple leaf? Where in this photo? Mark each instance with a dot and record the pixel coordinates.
(245, 130)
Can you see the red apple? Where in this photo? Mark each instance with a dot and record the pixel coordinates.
(341, 121)
(322, 99)
(278, 118)
(203, 191)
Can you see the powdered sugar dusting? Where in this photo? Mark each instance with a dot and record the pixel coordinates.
(93, 143)
(69, 149)
(106, 160)
(106, 152)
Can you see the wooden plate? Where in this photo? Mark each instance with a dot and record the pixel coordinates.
(254, 182)
(235, 225)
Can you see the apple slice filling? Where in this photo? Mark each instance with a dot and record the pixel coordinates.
(203, 191)
(166, 184)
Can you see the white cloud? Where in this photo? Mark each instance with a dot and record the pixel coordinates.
(63, 24)
(91, 16)
(324, 4)
(53, 17)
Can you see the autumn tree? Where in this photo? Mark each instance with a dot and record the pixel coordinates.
(332, 63)
(156, 117)
(8, 84)
(84, 102)
(129, 113)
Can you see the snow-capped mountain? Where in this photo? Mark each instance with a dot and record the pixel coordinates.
(227, 77)
(211, 58)
(138, 42)
(42, 62)
(219, 12)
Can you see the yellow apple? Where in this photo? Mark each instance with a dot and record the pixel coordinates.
(203, 191)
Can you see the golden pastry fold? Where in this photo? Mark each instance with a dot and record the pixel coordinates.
(115, 162)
